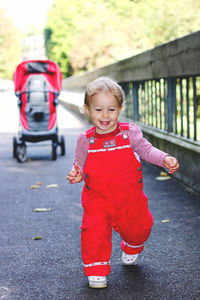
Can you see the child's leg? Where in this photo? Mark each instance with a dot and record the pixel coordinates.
(135, 232)
(96, 247)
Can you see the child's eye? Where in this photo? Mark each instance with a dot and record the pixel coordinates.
(112, 109)
(98, 109)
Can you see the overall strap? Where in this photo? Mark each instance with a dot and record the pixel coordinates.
(124, 126)
(90, 132)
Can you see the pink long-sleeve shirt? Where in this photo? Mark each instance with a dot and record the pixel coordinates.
(138, 143)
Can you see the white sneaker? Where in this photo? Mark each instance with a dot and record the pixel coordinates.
(97, 282)
(128, 259)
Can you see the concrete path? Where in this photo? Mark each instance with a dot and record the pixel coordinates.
(50, 268)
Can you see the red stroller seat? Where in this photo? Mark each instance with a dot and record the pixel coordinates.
(37, 86)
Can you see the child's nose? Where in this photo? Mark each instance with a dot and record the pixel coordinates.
(105, 113)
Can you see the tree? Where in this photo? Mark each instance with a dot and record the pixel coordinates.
(83, 35)
(10, 48)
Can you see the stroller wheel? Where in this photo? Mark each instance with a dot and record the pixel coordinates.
(62, 145)
(54, 153)
(14, 146)
(21, 153)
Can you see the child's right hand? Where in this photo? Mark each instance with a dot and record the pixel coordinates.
(171, 163)
(75, 175)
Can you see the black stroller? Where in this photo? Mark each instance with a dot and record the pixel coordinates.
(37, 86)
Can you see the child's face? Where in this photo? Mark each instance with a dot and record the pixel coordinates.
(104, 112)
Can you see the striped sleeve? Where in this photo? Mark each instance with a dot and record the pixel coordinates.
(144, 148)
(81, 150)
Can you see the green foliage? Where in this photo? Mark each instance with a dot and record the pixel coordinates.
(83, 35)
(10, 48)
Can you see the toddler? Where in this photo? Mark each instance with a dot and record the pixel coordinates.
(107, 157)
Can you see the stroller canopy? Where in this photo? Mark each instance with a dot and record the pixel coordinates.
(47, 67)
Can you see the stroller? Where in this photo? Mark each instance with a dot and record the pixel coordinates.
(37, 86)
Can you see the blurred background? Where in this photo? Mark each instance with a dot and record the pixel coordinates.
(83, 35)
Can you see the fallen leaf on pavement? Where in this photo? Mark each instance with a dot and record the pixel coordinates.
(35, 186)
(39, 237)
(162, 173)
(42, 209)
(163, 177)
(165, 221)
(51, 186)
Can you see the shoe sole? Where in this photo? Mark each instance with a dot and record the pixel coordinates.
(128, 263)
(96, 286)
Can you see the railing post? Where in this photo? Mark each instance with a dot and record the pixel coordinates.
(195, 107)
(171, 99)
(135, 101)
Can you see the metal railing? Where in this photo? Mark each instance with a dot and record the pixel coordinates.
(169, 104)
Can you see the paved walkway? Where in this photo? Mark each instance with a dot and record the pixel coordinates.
(51, 268)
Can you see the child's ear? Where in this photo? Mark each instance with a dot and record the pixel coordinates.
(120, 109)
(86, 109)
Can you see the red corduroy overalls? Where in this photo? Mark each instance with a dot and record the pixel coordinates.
(112, 197)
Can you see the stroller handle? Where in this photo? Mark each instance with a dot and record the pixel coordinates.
(55, 101)
(36, 91)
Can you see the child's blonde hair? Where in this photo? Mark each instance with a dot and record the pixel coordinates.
(104, 84)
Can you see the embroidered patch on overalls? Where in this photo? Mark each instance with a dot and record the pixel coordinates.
(108, 144)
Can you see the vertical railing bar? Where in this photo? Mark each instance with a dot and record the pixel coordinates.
(142, 103)
(187, 105)
(127, 99)
(154, 94)
(135, 101)
(146, 103)
(165, 106)
(129, 104)
(148, 99)
(127, 95)
(126, 92)
(195, 107)
(175, 107)
(152, 103)
(156, 99)
(169, 106)
(181, 103)
(160, 97)
(131, 96)
(139, 101)
(171, 91)
(174, 104)
(143, 96)
(143, 108)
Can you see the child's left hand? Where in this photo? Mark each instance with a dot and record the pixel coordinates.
(75, 175)
(171, 163)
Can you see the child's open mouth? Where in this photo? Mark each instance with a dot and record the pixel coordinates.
(104, 123)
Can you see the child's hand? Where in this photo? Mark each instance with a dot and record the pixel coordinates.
(171, 163)
(75, 175)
